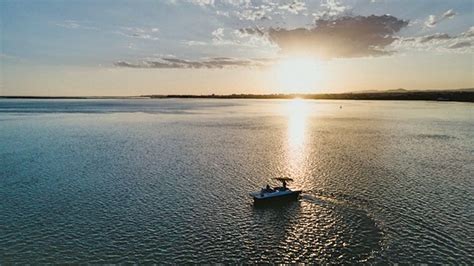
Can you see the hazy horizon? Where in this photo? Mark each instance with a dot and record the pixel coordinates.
(124, 48)
(250, 94)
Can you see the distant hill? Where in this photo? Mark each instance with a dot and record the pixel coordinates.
(405, 90)
(379, 91)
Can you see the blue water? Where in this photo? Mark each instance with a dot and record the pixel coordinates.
(167, 181)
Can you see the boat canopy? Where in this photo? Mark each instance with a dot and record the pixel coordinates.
(281, 179)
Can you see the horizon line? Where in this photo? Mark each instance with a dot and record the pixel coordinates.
(459, 95)
(283, 94)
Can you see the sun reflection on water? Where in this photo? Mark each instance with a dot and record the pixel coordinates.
(297, 112)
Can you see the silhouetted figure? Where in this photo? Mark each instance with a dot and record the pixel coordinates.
(284, 185)
(267, 189)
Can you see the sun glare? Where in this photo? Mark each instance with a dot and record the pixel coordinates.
(297, 111)
(298, 75)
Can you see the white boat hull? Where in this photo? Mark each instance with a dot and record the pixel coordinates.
(277, 196)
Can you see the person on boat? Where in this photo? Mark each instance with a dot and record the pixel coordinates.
(268, 189)
(284, 185)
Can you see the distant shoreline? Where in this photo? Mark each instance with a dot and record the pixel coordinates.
(463, 95)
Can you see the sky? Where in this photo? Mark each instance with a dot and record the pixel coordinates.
(141, 47)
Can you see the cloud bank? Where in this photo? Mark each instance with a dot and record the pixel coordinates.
(462, 42)
(210, 63)
(333, 34)
(343, 37)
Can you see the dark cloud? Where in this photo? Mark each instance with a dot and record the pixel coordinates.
(252, 31)
(216, 62)
(124, 64)
(355, 36)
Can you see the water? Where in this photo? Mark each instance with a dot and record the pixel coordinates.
(114, 181)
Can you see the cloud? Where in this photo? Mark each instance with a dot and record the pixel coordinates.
(250, 10)
(209, 63)
(433, 20)
(218, 38)
(6, 56)
(139, 33)
(218, 34)
(252, 14)
(469, 33)
(195, 43)
(238, 38)
(251, 31)
(344, 37)
(462, 44)
(202, 2)
(436, 36)
(222, 13)
(438, 42)
(331, 9)
(74, 24)
(295, 7)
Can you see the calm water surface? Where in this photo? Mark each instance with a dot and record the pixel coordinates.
(110, 181)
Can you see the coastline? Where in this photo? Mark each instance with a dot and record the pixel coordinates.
(466, 95)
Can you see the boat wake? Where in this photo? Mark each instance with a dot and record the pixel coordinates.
(362, 234)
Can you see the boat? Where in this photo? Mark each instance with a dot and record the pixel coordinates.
(270, 195)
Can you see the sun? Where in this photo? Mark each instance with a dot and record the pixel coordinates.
(298, 75)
